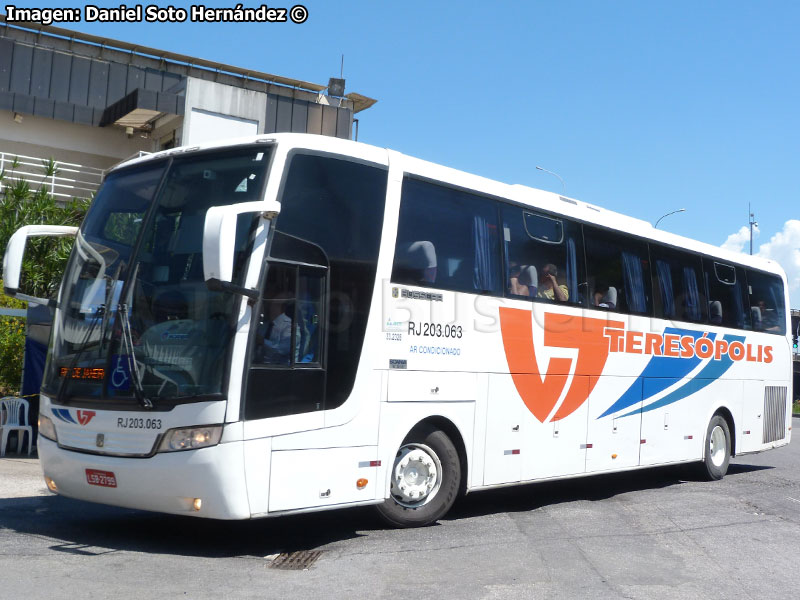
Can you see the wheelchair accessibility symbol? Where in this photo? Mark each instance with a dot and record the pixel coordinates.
(120, 372)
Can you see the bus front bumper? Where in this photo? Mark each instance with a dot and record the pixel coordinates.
(208, 482)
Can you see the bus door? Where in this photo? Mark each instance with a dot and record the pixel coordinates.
(287, 357)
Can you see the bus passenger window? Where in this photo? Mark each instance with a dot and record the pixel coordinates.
(618, 272)
(289, 327)
(767, 306)
(544, 257)
(725, 284)
(336, 206)
(446, 238)
(679, 292)
(274, 332)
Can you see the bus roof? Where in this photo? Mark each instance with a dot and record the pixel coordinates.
(544, 200)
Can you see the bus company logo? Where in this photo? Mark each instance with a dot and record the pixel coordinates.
(540, 392)
(83, 416)
(594, 340)
(414, 295)
(686, 343)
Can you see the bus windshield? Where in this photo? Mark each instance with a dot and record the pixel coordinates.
(135, 317)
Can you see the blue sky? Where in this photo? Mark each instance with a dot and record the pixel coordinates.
(641, 107)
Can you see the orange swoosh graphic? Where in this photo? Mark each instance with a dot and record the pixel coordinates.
(540, 391)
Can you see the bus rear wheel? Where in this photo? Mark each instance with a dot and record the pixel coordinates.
(717, 450)
(425, 479)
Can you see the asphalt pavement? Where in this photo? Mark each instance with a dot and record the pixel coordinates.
(655, 533)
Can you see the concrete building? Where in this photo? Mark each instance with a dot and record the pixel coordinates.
(89, 102)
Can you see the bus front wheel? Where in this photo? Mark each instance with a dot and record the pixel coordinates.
(717, 451)
(425, 479)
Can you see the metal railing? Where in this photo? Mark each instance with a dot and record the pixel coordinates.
(66, 181)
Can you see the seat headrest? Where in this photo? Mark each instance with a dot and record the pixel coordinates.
(420, 255)
(610, 297)
(528, 276)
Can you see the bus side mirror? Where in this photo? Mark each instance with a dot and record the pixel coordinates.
(219, 241)
(15, 251)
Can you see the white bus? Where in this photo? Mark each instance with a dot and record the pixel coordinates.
(293, 323)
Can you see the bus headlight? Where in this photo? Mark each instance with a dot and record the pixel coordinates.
(190, 438)
(47, 429)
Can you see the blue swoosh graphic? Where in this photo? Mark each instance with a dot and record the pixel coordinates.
(63, 414)
(710, 373)
(660, 370)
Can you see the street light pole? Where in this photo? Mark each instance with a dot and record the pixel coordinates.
(666, 215)
(752, 222)
(563, 185)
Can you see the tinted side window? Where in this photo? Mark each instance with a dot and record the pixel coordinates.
(725, 294)
(446, 239)
(287, 375)
(678, 285)
(618, 272)
(544, 257)
(338, 205)
(767, 307)
(291, 318)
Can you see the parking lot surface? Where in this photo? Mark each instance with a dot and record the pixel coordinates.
(656, 533)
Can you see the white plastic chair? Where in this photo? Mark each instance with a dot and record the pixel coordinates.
(10, 421)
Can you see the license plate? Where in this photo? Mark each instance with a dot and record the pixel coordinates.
(101, 478)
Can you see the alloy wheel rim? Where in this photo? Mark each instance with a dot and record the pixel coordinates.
(416, 476)
(717, 446)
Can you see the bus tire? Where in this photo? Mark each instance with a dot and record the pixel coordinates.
(425, 479)
(717, 449)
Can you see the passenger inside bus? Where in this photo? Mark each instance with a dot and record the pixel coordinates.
(274, 335)
(550, 289)
(605, 296)
(764, 318)
(523, 280)
(715, 312)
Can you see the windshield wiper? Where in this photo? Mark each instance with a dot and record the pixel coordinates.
(110, 297)
(133, 366)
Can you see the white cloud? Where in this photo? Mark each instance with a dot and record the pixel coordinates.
(737, 241)
(784, 248)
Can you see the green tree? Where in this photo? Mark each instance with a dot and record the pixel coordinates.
(30, 203)
(12, 345)
(24, 202)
